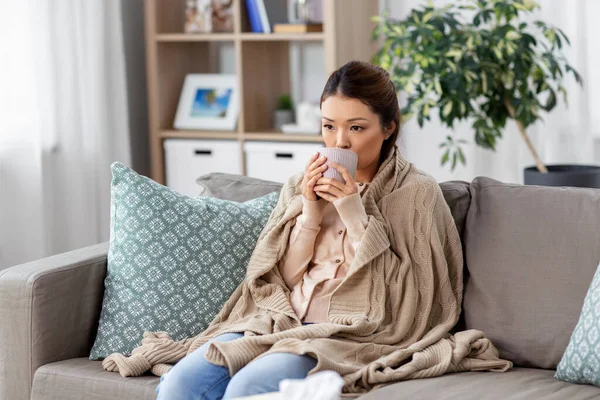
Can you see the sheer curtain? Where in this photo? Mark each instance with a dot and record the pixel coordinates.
(64, 119)
(567, 135)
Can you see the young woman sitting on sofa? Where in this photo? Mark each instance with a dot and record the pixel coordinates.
(362, 277)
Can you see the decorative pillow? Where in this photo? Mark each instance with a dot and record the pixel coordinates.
(581, 361)
(173, 260)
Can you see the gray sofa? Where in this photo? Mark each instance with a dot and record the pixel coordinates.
(530, 255)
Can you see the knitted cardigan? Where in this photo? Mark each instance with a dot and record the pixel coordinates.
(389, 319)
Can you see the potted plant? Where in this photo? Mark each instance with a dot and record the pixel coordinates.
(284, 113)
(489, 69)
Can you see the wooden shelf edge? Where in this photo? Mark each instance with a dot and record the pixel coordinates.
(183, 134)
(194, 37)
(311, 36)
(282, 137)
(249, 136)
(246, 36)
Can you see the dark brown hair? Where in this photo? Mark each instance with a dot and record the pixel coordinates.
(372, 85)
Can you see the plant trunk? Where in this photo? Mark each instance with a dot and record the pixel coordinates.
(540, 164)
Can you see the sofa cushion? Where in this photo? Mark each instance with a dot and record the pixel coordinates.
(515, 384)
(80, 378)
(173, 260)
(234, 187)
(458, 197)
(531, 252)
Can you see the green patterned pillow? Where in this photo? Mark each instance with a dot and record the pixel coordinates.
(581, 361)
(173, 260)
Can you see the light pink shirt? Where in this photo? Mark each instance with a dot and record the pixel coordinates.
(320, 250)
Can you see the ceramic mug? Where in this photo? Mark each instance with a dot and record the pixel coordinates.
(346, 158)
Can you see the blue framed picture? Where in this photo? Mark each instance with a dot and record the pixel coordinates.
(208, 102)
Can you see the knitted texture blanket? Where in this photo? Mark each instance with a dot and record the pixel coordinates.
(388, 320)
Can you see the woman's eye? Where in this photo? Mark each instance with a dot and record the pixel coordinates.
(328, 126)
(356, 128)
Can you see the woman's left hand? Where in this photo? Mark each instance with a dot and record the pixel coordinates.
(331, 189)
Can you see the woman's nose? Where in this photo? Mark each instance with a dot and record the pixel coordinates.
(342, 141)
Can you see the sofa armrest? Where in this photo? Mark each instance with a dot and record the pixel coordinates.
(49, 311)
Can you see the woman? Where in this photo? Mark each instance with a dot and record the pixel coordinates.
(355, 277)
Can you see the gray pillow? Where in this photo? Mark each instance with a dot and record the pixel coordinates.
(531, 252)
(235, 187)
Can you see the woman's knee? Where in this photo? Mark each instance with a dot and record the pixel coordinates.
(176, 385)
(264, 374)
(182, 381)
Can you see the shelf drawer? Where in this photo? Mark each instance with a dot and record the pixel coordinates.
(187, 159)
(277, 161)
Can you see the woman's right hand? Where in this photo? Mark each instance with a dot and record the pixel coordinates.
(314, 170)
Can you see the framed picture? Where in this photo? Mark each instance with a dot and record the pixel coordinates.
(208, 102)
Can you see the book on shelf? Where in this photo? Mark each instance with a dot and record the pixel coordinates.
(264, 14)
(254, 16)
(298, 28)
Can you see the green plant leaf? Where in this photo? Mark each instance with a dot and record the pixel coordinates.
(484, 84)
(551, 102)
(447, 109)
(438, 86)
(461, 156)
(445, 157)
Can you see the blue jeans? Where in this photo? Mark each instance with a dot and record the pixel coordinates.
(195, 378)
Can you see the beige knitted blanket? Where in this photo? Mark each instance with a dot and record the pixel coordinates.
(389, 319)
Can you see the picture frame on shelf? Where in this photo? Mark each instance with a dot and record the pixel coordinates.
(208, 102)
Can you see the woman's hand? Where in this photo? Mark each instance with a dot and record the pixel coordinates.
(314, 170)
(331, 189)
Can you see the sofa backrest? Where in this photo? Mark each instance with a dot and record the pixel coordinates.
(234, 187)
(531, 253)
(242, 188)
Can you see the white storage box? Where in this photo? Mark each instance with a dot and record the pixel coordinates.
(277, 161)
(187, 159)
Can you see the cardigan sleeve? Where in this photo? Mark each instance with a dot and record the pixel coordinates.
(353, 215)
(301, 245)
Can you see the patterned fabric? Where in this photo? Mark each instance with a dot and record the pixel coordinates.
(173, 260)
(581, 361)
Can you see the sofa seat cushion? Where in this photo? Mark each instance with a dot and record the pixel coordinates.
(81, 378)
(515, 384)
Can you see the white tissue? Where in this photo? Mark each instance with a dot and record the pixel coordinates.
(324, 385)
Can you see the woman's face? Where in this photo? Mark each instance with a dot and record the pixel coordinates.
(350, 124)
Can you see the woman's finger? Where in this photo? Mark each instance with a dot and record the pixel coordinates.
(345, 174)
(318, 170)
(313, 181)
(329, 189)
(332, 182)
(312, 160)
(326, 196)
(317, 163)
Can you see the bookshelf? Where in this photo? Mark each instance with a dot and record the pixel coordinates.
(262, 65)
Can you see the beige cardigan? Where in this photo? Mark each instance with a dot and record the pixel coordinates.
(390, 317)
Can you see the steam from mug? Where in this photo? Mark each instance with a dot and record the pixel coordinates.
(346, 158)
